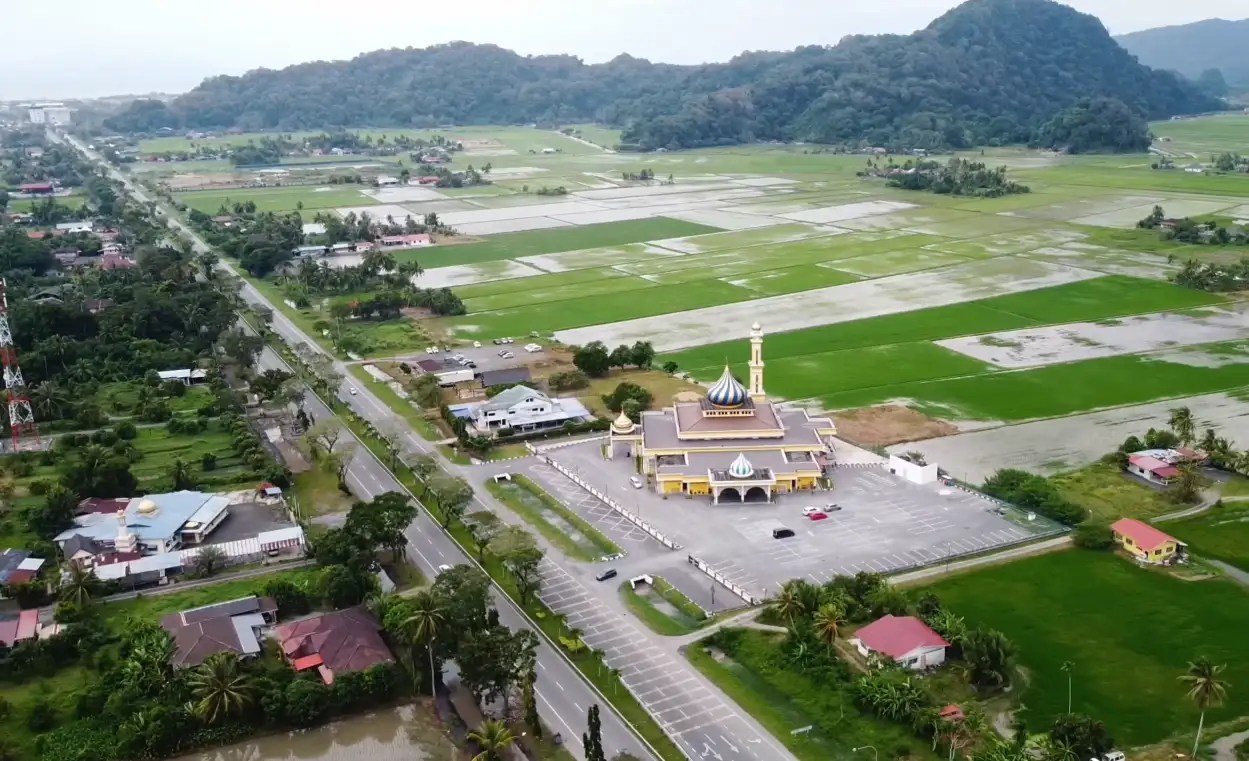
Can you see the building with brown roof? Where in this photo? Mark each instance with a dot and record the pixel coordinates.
(235, 626)
(734, 444)
(341, 642)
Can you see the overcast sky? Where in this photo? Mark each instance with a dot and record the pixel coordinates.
(87, 48)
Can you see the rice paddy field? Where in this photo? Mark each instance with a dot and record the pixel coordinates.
(1002, 310)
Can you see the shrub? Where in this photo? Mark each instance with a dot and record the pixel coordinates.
(126, 430)
(570, 380)
(208, 461)
(1093, 536)
(39, 487)
(1032, 492)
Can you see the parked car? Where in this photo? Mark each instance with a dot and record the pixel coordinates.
(810, 510)
(508, 355)
(501, 352)
(471, 364)
(476, 344)
(610, 573)
(531, 348)
(507, 340)
(444, 567)
(782, 533)
(637, 482)
(818, 516)
(832, 507)
(497, 341)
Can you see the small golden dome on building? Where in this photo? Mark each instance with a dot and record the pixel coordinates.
(623, 424)
(147, 507)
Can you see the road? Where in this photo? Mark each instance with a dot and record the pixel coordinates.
(705, 723)
(564, 697)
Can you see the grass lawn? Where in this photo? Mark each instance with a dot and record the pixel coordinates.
(151, 607)
(1087, 385)
(58, 689)
(663, 608)
(783, 700)
(1108, 494)
(663, 388)
(1130, 632)
(597, 134)
(316, 493)
(1221, 533)
(69, 203)
(516, 245)
(277, 199)
(553, 519)
(400, 406)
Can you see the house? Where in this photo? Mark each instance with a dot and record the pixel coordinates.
(79, 226)
(1146, 543)
(18, 567)
(36, 188)
(1151, 468)
(405, 241)
(95, 306)
(448, 372)
(115, 260)
(428, 180)
(903, 639)
(509, 376)
(523, 409)
(187, 376)
(341, 642)
(235, 626)
(386, 181)
(17, 629)
(53, 294)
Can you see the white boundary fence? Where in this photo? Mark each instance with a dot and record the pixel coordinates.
(719, 578)
(606, 500)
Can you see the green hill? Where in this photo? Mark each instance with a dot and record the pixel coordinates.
(1194, 48)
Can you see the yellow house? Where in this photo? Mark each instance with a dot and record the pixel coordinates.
(733, 445)
(1146, 543)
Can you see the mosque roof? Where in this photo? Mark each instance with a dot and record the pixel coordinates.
(727, 392)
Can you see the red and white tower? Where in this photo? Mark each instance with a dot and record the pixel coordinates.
(21, 415)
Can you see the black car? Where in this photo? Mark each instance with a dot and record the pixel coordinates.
(782, 533)
(610, 573)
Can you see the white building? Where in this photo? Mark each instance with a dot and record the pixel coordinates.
(523, 409)
(903, 639)
(55, 114)
(155, 524)
(913, 472)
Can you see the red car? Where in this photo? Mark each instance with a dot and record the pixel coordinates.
(818, 516)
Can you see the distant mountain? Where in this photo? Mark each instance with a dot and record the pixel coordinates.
(987, 72)
(1194, 48)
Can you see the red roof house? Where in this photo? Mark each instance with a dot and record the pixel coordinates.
(904, 639)
(1146, 542)
(35, 187)
(952, 713)
(14, 630)
(341, 642)
(1151, 468)
(405, 241)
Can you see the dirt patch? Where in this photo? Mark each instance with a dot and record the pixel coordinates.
(888, 424)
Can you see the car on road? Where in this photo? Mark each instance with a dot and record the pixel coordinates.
(352, 390)
(832, 507)
(637, 482)
(476, 344)
(443, 567)
(810, 510)
(610, 573)
(782, 533)
(818, 516)
(508, 355)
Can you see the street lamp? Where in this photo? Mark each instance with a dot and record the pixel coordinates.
(866, 747)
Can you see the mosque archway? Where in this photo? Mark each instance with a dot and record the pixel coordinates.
(757, 494)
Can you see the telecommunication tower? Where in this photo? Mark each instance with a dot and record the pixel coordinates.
(21, 415)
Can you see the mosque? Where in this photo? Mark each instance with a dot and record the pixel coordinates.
(733, 446)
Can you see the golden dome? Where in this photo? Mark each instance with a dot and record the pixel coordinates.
(623, 423)
(147, 507)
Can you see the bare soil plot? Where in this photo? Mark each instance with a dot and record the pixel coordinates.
(1036, 347)
(466, 274)
(1055, 445)
(1109, 260)
(846, 211)
(888, 424)
(1126, 219)
(510, 225)
(870, 298)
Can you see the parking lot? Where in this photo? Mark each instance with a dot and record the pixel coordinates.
(666, 686)
(884, 524)
(487, 356)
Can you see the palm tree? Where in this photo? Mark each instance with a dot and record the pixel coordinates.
(788, 603)
(181, 476)
(221, 688)
(424, 625)
(828, 622)
(1182, 423)
(78, 585)
(1066, 669)
(493, 737)
(1205, 689)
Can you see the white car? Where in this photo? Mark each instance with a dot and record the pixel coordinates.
(531, 348)
(508, 355)
(637, 482)
(811, 510)
(444, 567)
(476, 344)
(352, 390)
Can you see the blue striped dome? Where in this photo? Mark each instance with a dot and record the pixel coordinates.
(727, 392)
(741, 467)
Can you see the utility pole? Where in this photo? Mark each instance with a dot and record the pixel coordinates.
(21, 415)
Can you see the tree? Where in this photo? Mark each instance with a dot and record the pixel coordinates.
(423, 626)
(1187, 485)
(1206, 689)
(208, 561)
(1080, 735)
(269, 384)
(323, 436)
(592, 359)
(593, 737)
(642, 354)
(1182, 423)
(221, 688)
(625, 392)
(382, 522)
(521, 557)
(989, 658)
(55, 513)
(492, 738)
(828, 622)
(1067, 668)
(453, 496)
(670, 367)
(529, 700)
(1211, 82)
(788, 604)
(78, 585)
(181, 475)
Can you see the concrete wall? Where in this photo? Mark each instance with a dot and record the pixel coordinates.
(919, 474)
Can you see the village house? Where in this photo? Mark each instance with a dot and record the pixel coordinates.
(342, 642)
(521, 408)
(905, 640)
(1146, 543)
(234, 626)
(1161, 466)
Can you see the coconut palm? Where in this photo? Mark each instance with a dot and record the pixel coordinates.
(493, 738)
(1182, 423)
(222, 690)
(424, 625)
(1066, 669)
(78, 585)
(1205, 689)
(181, 475)
(828, 622)
(788, 603)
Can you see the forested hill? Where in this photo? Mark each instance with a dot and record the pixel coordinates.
(989, 71)
(1193, 49)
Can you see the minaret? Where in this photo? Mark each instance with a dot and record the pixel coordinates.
(125, 541)
(756, 364)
